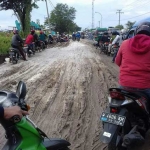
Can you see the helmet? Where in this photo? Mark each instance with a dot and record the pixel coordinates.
(115, 33)
(105, 33)
(32, 31)
(143, 28)
(15, 32)
(41, 32)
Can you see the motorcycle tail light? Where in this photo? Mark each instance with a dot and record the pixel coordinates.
(117, 95)
(113, 110)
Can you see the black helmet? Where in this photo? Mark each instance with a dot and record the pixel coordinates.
(143, 28)
(115, 33)
(105, 33)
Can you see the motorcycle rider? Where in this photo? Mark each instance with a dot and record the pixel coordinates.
(73, 36)
(50, 38)
(117, 41)
(9, 112)
(133, 58)
(42, 37)
(78, 35)
(30, 39)
(16, 43)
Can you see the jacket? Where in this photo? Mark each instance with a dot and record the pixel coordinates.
(29, 39)
(42, 37)
(16, 40)
(133, 58)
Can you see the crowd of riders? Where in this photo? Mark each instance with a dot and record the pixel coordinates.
(109, 43)
(34, 42)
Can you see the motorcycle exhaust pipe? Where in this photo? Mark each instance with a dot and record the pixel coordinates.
(133, 138)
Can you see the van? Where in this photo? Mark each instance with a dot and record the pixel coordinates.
(131, 34)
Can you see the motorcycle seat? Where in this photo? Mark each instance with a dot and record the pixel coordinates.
(14, 49)
(51, 144)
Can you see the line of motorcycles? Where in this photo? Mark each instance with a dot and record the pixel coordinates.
(107, 49)
(28, 50)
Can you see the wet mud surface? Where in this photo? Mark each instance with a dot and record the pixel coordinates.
(67, 90)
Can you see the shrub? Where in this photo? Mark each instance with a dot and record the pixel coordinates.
(5, 42)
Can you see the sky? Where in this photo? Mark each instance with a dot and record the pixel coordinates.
(133, 10)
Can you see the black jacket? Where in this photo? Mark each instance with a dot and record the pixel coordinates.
(16, 40)
(1, 112)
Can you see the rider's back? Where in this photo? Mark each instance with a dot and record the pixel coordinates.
(134, 61)
(16, 39)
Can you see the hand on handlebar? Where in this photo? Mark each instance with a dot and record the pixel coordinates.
(9, 112)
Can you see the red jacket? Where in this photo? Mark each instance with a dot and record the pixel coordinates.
(133, 58)
(29, 39)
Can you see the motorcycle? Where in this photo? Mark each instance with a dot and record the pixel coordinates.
(126, 119)
(114, 49)
(23, 134)
(28, 49)
(14, 55)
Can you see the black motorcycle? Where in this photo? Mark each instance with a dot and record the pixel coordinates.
(29, 50)
(14, 55)
(126, 119)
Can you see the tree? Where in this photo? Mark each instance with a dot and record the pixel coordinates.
(62, 18)
(22, 9)
(119, 27)
(129, 24)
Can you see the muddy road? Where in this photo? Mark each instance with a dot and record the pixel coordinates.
(67, 91)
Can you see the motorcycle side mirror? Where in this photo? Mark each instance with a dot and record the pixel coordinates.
(21, 90)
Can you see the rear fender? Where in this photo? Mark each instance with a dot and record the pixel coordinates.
(109, 130)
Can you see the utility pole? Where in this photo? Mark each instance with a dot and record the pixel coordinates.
(99, 23)
(48, 16)
(119, 12)
(92, 14)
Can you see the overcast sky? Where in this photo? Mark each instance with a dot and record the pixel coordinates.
(134, 10)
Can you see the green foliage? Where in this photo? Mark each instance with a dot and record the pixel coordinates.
(119, 27)
(129, 24)
(62, 18)
(5, 41)
(22, 10)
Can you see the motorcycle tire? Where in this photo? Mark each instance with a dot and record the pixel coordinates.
(15, 61)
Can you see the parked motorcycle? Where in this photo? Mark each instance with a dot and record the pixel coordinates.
(23, 134)
(125, 120)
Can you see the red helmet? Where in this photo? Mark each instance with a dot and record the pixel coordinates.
(41, 32)
(32, 31)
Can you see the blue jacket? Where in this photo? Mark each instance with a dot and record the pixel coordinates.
(78, 35)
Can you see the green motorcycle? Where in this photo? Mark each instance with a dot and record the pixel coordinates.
(23, 134)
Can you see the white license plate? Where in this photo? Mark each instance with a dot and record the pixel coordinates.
(113, 118)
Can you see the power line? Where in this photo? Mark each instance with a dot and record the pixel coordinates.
(119, 12)
(136, 16)
(139, 5)
(130, 4)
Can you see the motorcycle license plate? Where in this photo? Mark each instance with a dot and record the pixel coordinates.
(11, 53)
(113, 118)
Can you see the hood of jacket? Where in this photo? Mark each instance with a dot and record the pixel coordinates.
(140, 44)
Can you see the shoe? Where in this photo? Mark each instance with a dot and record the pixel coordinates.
(112, 61)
